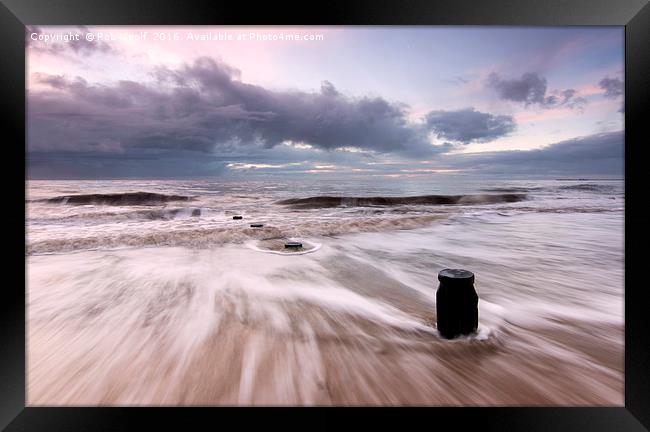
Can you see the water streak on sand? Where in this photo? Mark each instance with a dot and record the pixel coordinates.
(147, 300)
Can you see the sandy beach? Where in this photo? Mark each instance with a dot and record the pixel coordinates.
(348, 320)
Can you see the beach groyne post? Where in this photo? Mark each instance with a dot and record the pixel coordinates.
(456, 303)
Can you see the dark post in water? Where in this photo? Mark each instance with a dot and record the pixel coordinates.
(456, 303)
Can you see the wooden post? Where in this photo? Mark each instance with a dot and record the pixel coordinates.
(456, 303)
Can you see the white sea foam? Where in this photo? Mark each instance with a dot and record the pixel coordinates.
(141, 304)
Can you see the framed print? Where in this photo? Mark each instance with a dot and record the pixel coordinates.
(434, 205)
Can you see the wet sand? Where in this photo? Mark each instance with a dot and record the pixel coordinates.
(246, 350)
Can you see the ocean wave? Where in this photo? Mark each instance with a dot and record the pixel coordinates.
(510, 211)
(117, 199)
(589, 187)
(514, 189)
(336, 201)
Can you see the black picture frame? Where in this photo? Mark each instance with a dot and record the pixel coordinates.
(633, 14)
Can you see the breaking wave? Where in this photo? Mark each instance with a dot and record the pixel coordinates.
(582, 187)
(117, 199)
(514, 189)
(336, 201)
(589, 187)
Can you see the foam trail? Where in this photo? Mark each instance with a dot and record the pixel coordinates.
(143, 300)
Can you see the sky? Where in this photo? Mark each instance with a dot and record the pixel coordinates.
(182, 102)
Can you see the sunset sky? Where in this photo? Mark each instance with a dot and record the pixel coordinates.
(384, 101)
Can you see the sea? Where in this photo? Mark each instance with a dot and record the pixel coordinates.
(160, 292)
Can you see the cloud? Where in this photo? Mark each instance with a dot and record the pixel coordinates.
(613, 87)
(91, 165)
(205, 107)
(201, 119)
(531, 89)
(593, 154)
(102, 95)
(599, 154)
(468, 125)
(327, 88)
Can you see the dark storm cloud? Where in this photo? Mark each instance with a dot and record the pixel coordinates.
(468, 125)
(82, 46)
(613, 87)
(200, 119)
(135, 164)
(531, 89)
(326, 119)
(204, 107)
(599, 153)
